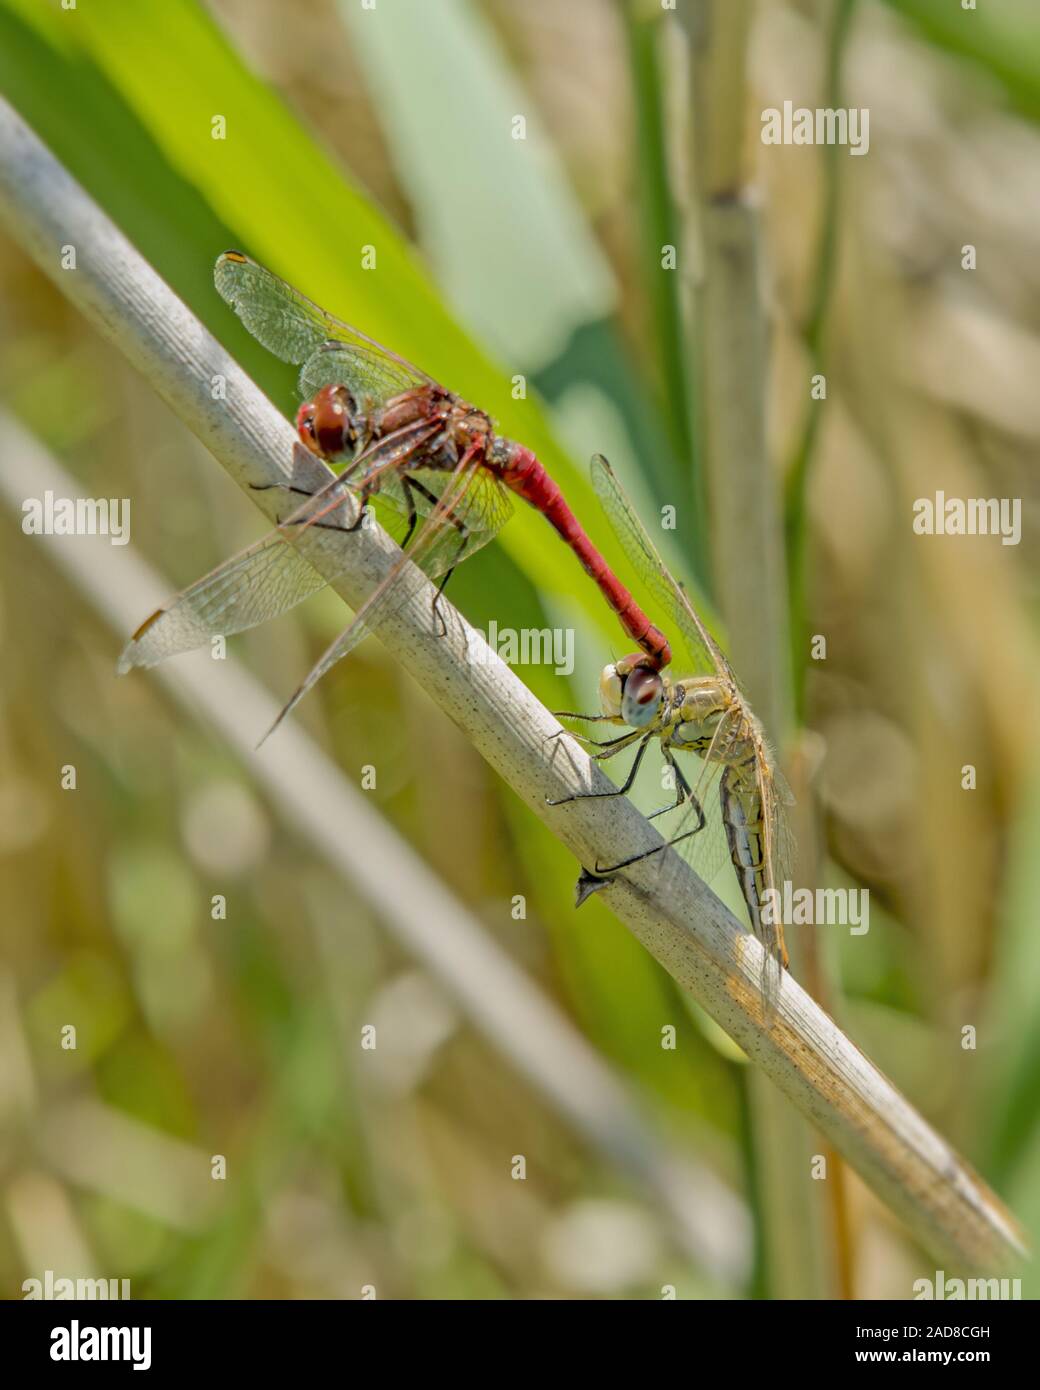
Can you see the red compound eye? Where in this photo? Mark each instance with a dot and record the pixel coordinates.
(305, 426)
(326, 423)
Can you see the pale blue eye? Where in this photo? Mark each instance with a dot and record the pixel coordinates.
(641, 697)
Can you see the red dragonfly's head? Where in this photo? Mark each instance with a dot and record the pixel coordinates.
(326, 423)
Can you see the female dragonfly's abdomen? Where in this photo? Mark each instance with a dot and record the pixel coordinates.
(745, 831)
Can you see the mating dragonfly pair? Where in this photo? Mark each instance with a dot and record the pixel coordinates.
(440, 478)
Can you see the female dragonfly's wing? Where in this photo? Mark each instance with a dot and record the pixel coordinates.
(706, 849)
(705, 654)
(779, 847)
(273, 575)
(752, 803)
(732, 809)
(471, 507)
(291, 326)
(760, 835)
(704, 846)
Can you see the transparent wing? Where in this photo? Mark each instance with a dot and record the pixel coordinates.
(272, 575)
(706, 847)
(763, 794)
(261, 582)
(378, 470)
(706, 850)
(371, 383)
(781, 849)
(267, 579)
(706, 657)
(761, 809)
(470, 509)
(293, 327)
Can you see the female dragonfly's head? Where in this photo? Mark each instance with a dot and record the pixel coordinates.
(632, 691)
(327, 423)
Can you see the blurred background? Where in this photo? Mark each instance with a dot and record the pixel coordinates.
(544, 257)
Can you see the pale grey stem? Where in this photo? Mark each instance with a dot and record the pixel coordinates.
(701, 944)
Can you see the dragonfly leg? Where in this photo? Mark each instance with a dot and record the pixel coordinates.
(443, 585)
(303, 492)
(685, 795)
(683, 790)
(407, 487)
(615, 791)
(584, 738)
(460, 525)
(331, 485)
(613, 744)
(408, 484)
(610, 745)
(603, 869)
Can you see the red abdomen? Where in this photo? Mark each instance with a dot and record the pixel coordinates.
(528, 478)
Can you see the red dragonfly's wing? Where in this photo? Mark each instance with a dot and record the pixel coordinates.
(294, 328)
(259, 583)
(471, 508)
(273, 575)
(704, 651)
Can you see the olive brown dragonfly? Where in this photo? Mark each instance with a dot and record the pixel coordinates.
(701, 711)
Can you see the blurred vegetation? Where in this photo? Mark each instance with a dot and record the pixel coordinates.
(497, 258)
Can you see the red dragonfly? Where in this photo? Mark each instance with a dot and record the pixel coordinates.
(438, 473)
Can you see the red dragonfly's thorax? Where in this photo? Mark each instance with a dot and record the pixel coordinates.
(424, 403)
(332, 426)
(469, 431)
